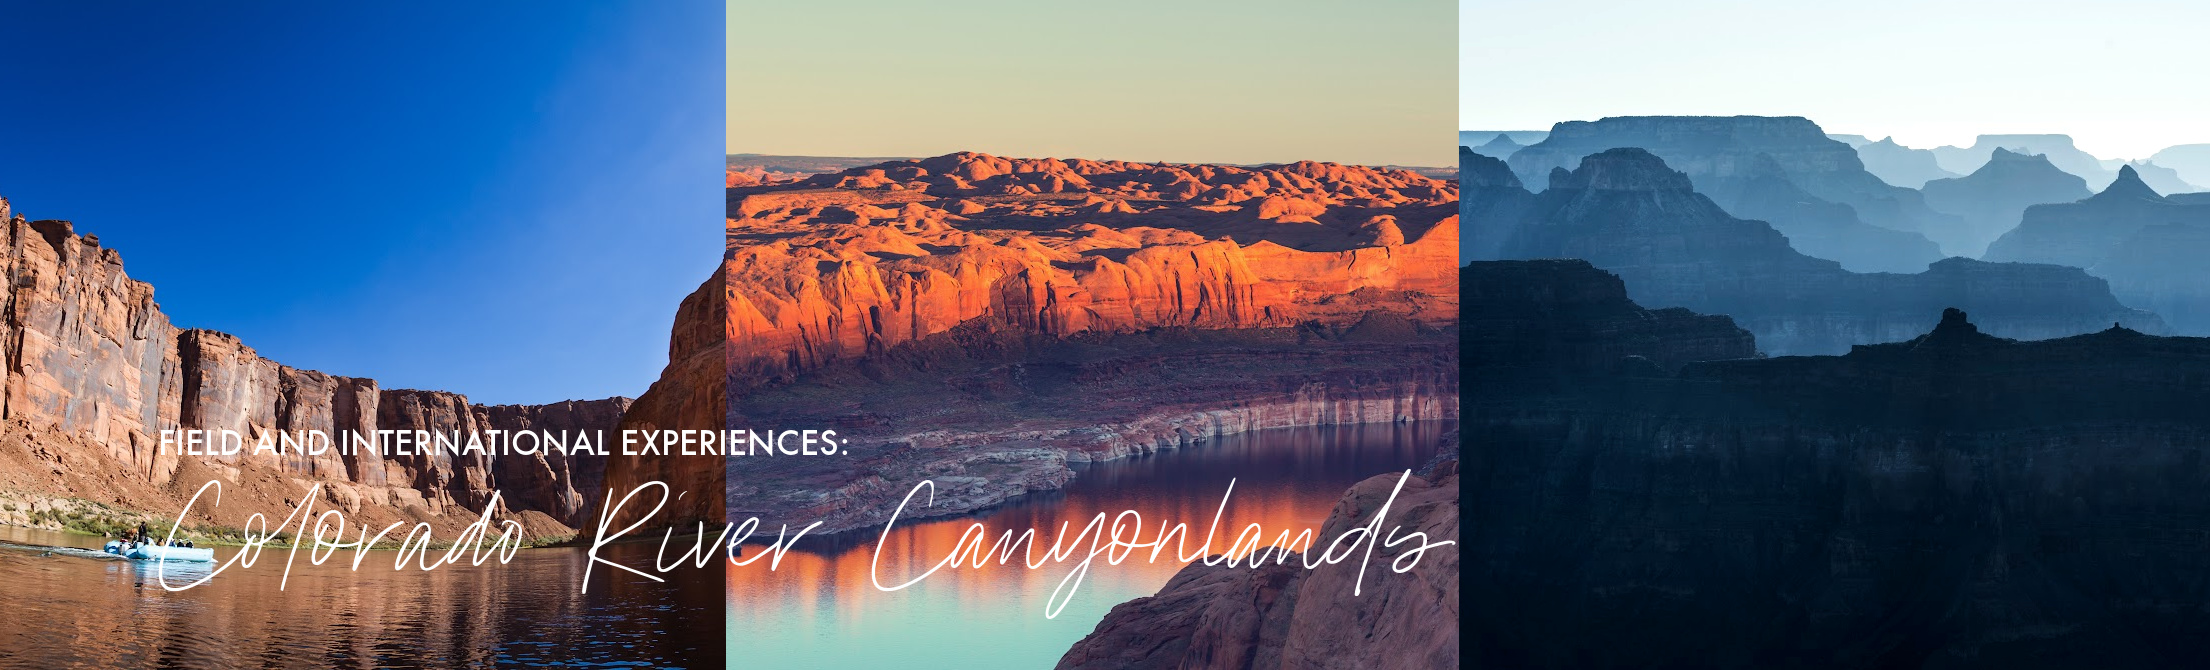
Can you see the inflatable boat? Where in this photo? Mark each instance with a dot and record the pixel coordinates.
(152, 552)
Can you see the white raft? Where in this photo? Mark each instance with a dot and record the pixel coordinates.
(152, 552)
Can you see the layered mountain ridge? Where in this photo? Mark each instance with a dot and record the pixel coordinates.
(2149, 246)
(1900, 165)
(1781, 170)
(1992, 198)
(1628, 212)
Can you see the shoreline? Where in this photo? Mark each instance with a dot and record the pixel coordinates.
(943, 509)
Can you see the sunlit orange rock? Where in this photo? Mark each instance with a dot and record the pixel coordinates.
(838, 265)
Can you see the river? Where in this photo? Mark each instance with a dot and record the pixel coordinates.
(73, 609)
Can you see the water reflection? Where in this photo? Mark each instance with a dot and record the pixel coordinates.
(71, 610)
(820, 609)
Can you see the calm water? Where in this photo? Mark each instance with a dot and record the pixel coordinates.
(73, 609)
(821, 609)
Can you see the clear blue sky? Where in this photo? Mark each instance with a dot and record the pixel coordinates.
(2122, 77)
(504, 199)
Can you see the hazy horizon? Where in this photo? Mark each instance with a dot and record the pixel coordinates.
(1236, 82)
(1928, 74)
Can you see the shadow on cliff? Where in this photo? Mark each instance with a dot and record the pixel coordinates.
(1956, 500)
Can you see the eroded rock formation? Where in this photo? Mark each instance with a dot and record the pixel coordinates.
(985, 320)
(691, 394)
(1992, 199)
(1900, 165)
(1781, 170)
(1956, 500)
(95, 371)
(1626, 212)
(2149, 246)
(2059, 148)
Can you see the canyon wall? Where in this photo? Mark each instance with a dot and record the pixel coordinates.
(91, 360)
(691, 394)
(1627, 212)
(1781, 170)
(984, 321)
(1992, 199)
(2149, 246)
(842, 265)
(1955, 500)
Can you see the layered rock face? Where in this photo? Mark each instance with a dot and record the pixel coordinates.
(2150, 247)
(1284, 616)
(1992, 200)
(846, 264)
(2081, 234)
(1782, 170)
(93, 363)
(985, 320)
(1626, 212)
(1957, 500)
(691, 394)
(1900, 165)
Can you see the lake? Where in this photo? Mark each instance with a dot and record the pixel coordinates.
(820, 608)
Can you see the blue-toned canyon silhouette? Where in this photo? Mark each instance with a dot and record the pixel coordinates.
(1723, 409)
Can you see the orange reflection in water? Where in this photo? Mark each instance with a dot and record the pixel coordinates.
(1284, 480)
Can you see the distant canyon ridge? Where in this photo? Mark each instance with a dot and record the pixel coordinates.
(1796, 235)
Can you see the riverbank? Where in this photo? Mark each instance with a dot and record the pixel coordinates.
(78, 516)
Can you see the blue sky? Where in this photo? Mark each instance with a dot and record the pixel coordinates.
(2119, 76)
(503, 199)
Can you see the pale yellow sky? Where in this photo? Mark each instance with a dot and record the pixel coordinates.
(1223, 81)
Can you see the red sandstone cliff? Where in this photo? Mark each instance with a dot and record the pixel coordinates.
(839, 265)
(690, 395)
(984, 320)
(94, 371)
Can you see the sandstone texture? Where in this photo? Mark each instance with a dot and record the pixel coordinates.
(691, 394)
(94, 371)
(1285, 616)
(983, 320)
